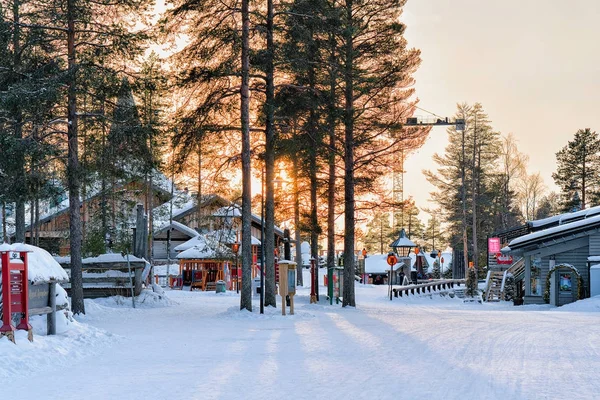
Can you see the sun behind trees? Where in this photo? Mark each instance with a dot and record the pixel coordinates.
(321, 88)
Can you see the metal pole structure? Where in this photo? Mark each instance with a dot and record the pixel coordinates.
(390, 282)
(237, 274)
(262, 242)
(130, 281)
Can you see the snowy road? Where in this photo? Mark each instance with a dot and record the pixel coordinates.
(203, 348)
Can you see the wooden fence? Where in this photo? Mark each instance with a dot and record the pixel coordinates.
(428, 287)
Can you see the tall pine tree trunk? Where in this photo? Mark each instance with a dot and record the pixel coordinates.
(314, 222)
(348, 292)
(199, 195)
(246, 295)
(475, 196)
(4, 234)
(269, 246)
(464, 207)
(73, 172)
(19, 186)
(331, 121)
(297, 236)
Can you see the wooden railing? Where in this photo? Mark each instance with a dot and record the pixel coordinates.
(423, 288)
(517, 270)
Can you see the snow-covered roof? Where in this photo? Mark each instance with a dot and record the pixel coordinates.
(218, 236)
(403, 241)
(580, 224)
(232, 211)
(111, 258)
(202, 253)
(594, 258)
(377, 264)
(41, 265)
(566, 217)
(180, 227)
(161, 270)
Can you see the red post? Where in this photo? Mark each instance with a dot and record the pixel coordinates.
(7, 328)
(313, 292)
(24, 324)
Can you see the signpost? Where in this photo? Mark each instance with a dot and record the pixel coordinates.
(287, 283)
(391, 260)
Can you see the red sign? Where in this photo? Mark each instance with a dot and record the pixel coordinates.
(500, 259)
(493, 245)
(392, 260)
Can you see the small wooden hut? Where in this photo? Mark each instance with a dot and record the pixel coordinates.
(207, 258)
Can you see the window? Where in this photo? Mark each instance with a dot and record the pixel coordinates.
(536, 282)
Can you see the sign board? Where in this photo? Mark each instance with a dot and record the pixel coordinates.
(501, 259)
(392, 260)
(291, 281)
(494, 245)
(38, 295)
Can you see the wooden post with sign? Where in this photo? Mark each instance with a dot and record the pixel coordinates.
(283, 285)
(287, 283)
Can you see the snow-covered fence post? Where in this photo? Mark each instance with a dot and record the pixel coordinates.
(130, 281)
(51, 318)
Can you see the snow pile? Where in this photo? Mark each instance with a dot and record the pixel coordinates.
(161, 270)
(42, 266)
(586, 305)
(146, 299)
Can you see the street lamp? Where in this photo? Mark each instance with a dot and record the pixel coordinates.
(401, 247)
(235, 248)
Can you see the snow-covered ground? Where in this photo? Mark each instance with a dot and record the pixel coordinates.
(195, 345)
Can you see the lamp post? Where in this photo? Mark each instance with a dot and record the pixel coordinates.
(401, 247)
(235, 248)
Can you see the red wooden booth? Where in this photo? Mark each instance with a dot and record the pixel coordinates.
(15, 296)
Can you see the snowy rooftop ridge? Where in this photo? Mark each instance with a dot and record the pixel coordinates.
(566, 217)
(180, 227)
(554, 230)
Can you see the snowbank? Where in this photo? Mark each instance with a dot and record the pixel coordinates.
(146, 299)
(586, 305)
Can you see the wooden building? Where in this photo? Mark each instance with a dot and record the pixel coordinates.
(54, 227)
(555, 255)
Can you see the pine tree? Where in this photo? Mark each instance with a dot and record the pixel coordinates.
(510, 288)
(379, 234)
(467, 183)
(472, 289)
(376, 70)
(88, 38)
(578, 169)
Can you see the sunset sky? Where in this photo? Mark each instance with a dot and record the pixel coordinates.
(533, 64)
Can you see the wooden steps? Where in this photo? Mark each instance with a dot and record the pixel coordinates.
(494, 289)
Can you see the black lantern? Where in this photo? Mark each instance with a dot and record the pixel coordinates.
(402, 245)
